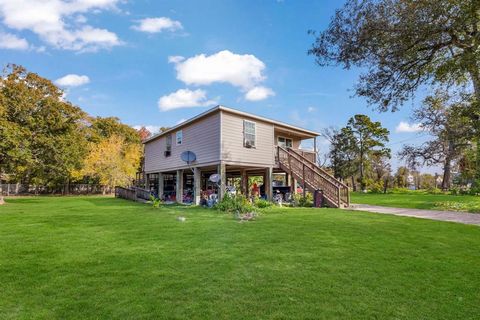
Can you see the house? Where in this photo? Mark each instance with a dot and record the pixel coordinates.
(233, 145)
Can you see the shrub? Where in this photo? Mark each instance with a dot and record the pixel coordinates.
(401, 190)
(300, 201)
(434, 190)
(475, 189)
(234, 203)
(376, 187)
(261, 203)
(156, 202)
(459, 206)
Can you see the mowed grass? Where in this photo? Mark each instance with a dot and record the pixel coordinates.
(420, 200)
(103, 258)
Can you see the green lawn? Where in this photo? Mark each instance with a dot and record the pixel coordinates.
(102, 258)
(420, 200)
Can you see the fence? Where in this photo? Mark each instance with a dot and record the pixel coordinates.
(133, 193)
(75, 189)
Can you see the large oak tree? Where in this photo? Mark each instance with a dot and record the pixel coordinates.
(404, 44)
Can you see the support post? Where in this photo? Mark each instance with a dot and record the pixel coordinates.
(315, 149)
(222, 171)
(160, 186)
(147, 181)
(293, 184)
(197, 190)
(179, 189)
(269, 183)
(244, 182)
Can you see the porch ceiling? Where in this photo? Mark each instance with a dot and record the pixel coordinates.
(295, 133)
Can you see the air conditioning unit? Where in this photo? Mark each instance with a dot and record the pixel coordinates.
(248, 144)
(167, 153)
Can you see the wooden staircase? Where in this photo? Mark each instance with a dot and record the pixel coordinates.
(313, 177)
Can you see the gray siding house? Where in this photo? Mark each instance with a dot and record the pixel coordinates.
(234, 145)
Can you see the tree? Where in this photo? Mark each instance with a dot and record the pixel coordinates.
(343, 155)
(404, 44)
(353, 146)
(112, 161)
(106, 127)
(451, 130)
(144, 133)
(37, 129)
(369, 138)
(381, 168)
(427, 181)
(401, 177)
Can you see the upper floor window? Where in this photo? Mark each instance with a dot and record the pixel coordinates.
(179, 137)
(168, 145)
(249, 134)
(285, 142)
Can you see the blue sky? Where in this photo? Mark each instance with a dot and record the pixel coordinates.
(117, 55)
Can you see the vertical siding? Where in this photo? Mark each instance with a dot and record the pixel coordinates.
(232, 141)
(202, 137)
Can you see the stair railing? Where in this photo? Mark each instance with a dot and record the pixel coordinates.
(310, 176)
(344, 191)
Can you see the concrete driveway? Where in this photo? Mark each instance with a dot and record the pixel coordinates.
(452, 216)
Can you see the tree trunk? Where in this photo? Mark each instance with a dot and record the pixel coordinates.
(354, 186)
(385, 185)
(475, 74)
(446, 173)
(1, 189)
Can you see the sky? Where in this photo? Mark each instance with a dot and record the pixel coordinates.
(157, 63)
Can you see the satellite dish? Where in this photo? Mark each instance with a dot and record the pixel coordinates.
(188, 157)
(215, 178)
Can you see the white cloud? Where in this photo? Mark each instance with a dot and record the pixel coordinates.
(243, 71)
(184, 98)
(72, 80)
(311, 109)
(11, 41)
(57, 22)
(407, 127)
(259, 93)
(156, 25)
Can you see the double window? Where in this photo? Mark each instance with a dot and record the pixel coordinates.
(249, 134)
(285, 142)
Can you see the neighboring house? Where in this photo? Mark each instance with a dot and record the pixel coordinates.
(234, 145)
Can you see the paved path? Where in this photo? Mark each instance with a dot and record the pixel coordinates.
(453, 216)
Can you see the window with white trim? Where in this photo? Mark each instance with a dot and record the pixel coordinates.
(249, 134)
(285, 142)
(179, 137)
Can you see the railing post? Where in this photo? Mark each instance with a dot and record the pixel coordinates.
(289, 162)
(339, 197)
(348, 197)
(303, 177)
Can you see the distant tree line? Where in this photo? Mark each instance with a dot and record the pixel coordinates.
(46, 140)
(359, 153)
